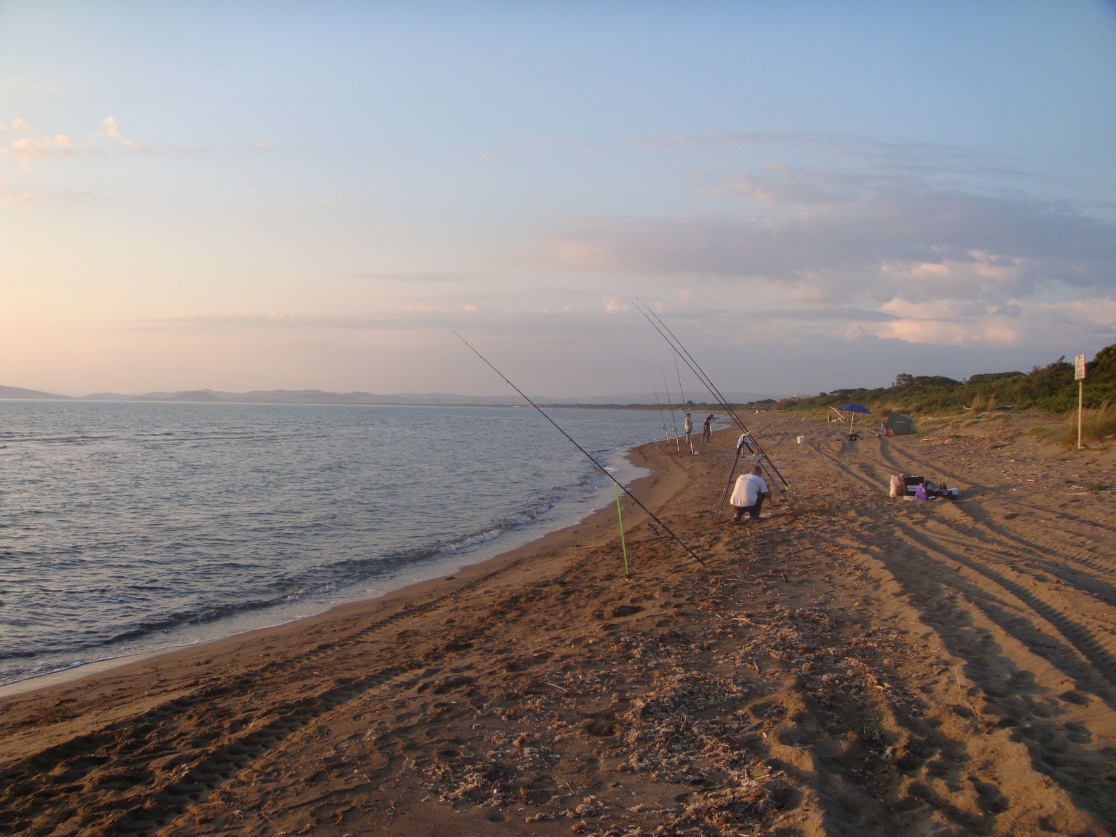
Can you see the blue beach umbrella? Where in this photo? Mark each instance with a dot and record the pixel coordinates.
(854, 408)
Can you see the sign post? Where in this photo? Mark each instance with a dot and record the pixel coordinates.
(1079, 376)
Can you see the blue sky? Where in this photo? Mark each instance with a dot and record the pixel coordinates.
(812, 195)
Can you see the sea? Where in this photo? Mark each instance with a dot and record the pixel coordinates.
(131, 528)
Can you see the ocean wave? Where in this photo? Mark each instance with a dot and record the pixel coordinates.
(151, 522)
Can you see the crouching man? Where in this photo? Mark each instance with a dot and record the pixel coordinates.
(749, 494)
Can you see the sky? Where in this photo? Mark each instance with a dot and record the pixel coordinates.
(309, 195)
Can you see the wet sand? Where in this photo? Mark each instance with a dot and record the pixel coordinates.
(851, 665)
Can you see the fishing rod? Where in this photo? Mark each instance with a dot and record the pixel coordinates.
(688, 359)
(728, 485)
(662, 417)
(682, 403)
(680, 351)
(745, 441)
(673, 420)
(753, 444)
(588, 455)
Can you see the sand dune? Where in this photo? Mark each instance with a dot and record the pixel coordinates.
(852, 665)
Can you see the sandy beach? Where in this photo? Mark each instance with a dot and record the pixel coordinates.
(853, 664)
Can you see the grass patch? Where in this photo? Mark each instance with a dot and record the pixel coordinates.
(1097, 426)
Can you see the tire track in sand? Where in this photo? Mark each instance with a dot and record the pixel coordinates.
(131, 760)
(1039, 654)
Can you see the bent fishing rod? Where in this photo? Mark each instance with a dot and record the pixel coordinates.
(688, 359)
(588, 455)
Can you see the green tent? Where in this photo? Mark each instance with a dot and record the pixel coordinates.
(899, 425)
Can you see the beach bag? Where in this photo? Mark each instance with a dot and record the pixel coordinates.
(920, 492)
(898, 486)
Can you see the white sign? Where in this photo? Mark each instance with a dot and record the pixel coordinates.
(1079, 372)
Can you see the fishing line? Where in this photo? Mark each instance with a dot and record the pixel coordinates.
(588, 455)
(688, 359)
(680, 351)
(666, 433)
(673, 420)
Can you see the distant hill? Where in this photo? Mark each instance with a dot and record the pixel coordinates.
(198, 396)
(307, 396)
(317, 396)
(444, 399)
(314, 396)
(20, 394)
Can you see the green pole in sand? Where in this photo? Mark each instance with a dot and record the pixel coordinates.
(623, 545)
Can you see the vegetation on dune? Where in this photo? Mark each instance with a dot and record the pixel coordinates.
(1050, 388)
(1096, 425)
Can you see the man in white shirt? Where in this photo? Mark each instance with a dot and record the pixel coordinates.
(748, 495)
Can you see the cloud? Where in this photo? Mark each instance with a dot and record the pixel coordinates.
(945, 322)
(927, 261)
(28, 148)
(978, 326)
(14, 194)
(410, 276)
(853, 151)
(891, 233)
(287, 321)
(109, 130)
(16, 126)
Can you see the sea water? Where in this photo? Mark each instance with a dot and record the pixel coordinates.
(131, 527)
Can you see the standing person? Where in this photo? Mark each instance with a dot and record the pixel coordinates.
(689, 428)
(707, 428)
(748, 495)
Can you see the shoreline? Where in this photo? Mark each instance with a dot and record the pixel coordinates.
(361, 594)
(853, 664)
